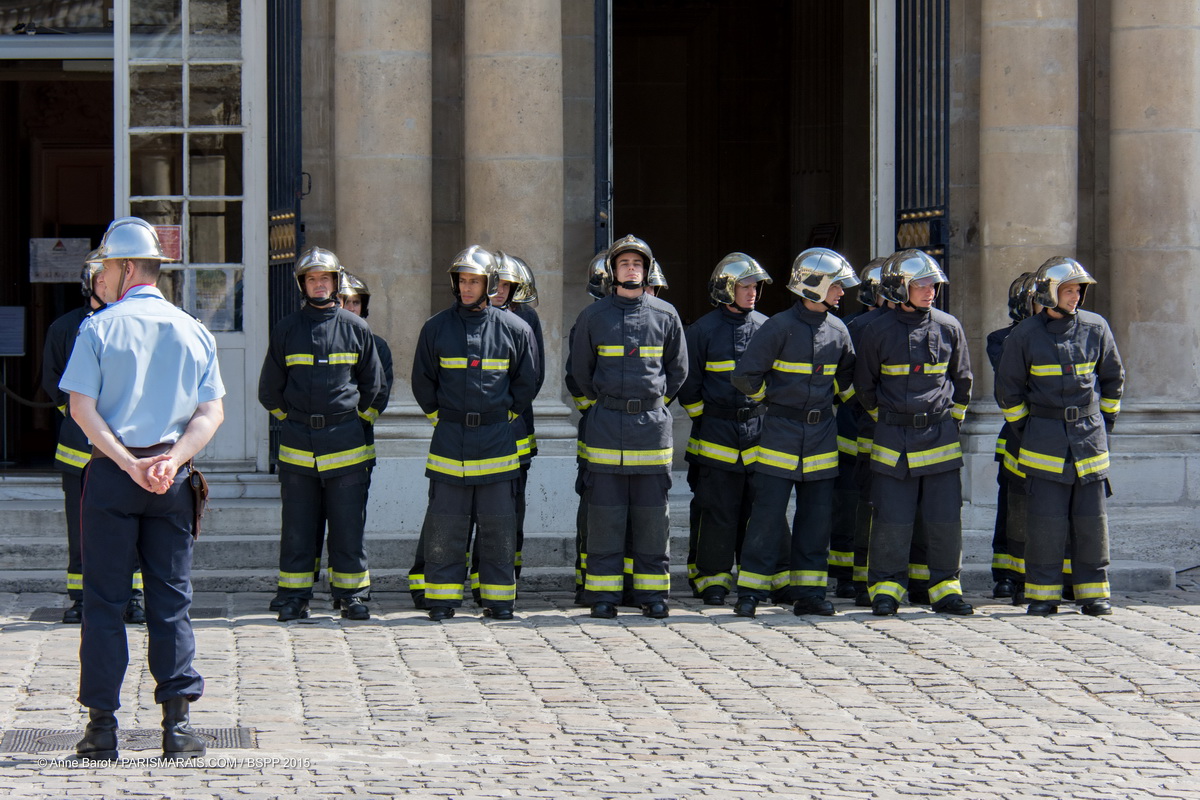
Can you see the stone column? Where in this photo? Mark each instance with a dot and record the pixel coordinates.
(1028, 132)
(1155, 179)
(383, 151)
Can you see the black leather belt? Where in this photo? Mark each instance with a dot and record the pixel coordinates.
(472, 419)
(811, 416)
(138, 452)
(318, 421)
(740, 414)
(1068, 414)
(635, 406)
(916, 420)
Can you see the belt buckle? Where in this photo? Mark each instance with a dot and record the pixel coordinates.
(473, 419)
(813, 416)
(316, 421)
(633, 406)
(743, 414)
(921, 420)
(1071, 413)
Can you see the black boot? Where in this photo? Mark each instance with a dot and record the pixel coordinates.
(99, 742)
(74, 614)
(179, 740)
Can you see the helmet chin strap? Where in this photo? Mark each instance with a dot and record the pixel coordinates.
(632, 285)
(739, 309)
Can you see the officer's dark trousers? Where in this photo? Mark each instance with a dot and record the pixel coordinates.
(72, 485)
(120, 521)
(308, 503)
(447, 534)
(724, 500)
(845, 513)
(638, 504)
(768, 558)
(1058, 513)
(938, 497)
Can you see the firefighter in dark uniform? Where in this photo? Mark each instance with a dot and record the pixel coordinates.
(913, 376)
(725, 424)
(321, 376)
(800, 363)
(1008, 553)
(629, 356)
(74, 451)
(473, 374)
(1059, 384)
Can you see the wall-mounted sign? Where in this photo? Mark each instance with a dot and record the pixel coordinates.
(57, 260)
(171, 239)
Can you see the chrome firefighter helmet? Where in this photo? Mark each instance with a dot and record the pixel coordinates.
(868, 282)
(507, 270)
(903, 268)
(526, 289)
(353, 286)
(131, 237)
(655, 276)
(475, 261)
(731, 270)
(318, 259)
(600, 278)
(1020, 298)
(92, 265)
(1056, 273)
(626, 245)
(817, 269)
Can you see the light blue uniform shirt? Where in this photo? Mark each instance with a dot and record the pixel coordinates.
(148, 364)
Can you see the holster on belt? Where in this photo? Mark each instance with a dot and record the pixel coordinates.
(199, 486)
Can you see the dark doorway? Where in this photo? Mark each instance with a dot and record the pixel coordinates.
(56, 180)
(741, 126)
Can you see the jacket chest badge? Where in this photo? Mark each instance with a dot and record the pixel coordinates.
(633, 351)
(475, 362)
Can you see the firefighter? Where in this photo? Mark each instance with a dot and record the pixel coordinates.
(1059, 384)
(725, 425)
(1008, 570)
(321, 375)
(473, 374)
(799, 363)
(74, 451)
(629, 356)
(913, 376)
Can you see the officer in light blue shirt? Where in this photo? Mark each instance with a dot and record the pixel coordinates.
(146, 388)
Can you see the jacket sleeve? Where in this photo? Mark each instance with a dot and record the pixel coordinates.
(1110, 374)
(581, 402)
(523, 375)
(843, 380)
(959, 372)
(689, 394)
(424, 377)
(675, 358)
(54, 361)
(866, 371)
(583, 357)
(1012, 382)
(385, 362)
(749, 376)
(368, 372)
(272, 380)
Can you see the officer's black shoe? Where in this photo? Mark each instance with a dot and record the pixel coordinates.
(1005, 587)
(439, 613)
(179, 740)
(714, 596)
(74, 614)
(813, 605)
(277, 602)
(1042, 608)
(1018, 598)
(863, 599)
(604, 610)
(956, 606)
(884, 606)
(918, 597)
(134, 613)
(355, 608)
(746, 607)
(656, 610)
(294, 608)
(845, 589)
(503, 612)
(1097, 608)
(419, 601)
(99, 742)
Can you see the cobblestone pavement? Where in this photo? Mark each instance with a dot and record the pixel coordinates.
(555, 704)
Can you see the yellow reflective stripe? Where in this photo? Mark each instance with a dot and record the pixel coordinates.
(525, 446)
(941, 591)
(370, 415)
(475, 468)
(1047, 370)
(884, 455)
(775, 458)
(296, 580)
(1110, 405)
(893, 369)
(350, 580)
(694, 409)
(722, 579)
(807, 577)
(937, 369)
(495, 363)
(821, 461)
(443, 591)
(278, 413)
(604, 583)
(938, 455)
(1086, 368)
(1015, 413)
(651, 583)
(753, 580)
(452, 363)
(650, 351)
(841, 558)
(498, 592)
(1013, 465)
(959, 412)
(298, 359)
(416, 582)
(918, 572)
(74, 580)
(137, 580)
(873, 413)
(299, 458)
(864, 445)
(582, 403)
(71, 456)
(845, 394)
(1041, 461)
(718, 452)
(719, 366)
(647, 457)
(343, 358)
(1086, 466)
(860, 573)
(803, 368)
(1092, 591)
(628, 565)
(1001, 445)
(887, 589)
(610, 350)
(847, 446)
(343, 458)
(1043, 591)
(760, 394)
(1066, 566)
(63, 409)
